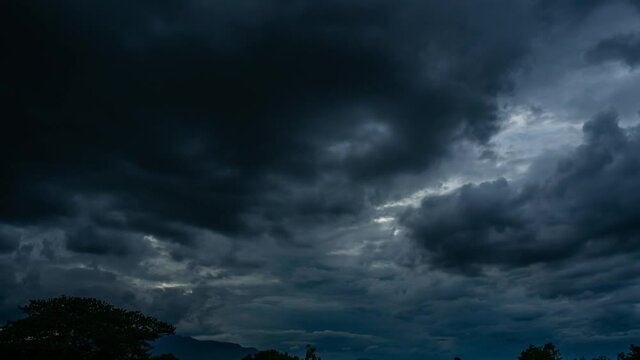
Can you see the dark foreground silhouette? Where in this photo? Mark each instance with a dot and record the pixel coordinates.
(551, 352)
(275, 355)
(187, 348)
(66, 328)
(73, 328)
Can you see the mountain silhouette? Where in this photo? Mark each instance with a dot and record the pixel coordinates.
(188, 348)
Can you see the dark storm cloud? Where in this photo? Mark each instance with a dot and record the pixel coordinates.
(9, 239)
(576, 9)
(587, 207)
(220, 165)
(622, 47)
(96, 241)
(186, 112)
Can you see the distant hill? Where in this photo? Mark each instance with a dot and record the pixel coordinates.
(188, 348)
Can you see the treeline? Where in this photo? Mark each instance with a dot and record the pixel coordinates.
(276, 355)
(550, 352)
(545, 352)
(73, 328)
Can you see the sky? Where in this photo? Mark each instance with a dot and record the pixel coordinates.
(383, 179)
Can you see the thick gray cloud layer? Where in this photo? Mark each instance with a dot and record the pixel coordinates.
(588, 206)
(622, 47)
(196, 113)
(343, 173)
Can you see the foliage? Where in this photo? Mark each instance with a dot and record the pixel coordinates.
(275, 355)
(81, 329)
(546, 352)
(270, 355)
(311, 353)
(634, 354)
(165, 357)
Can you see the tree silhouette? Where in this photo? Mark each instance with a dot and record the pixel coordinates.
(276, 355)
(80, 328)
(165, 357)
(270, 355)
(634, 354)
(311, 353)
(546, 352)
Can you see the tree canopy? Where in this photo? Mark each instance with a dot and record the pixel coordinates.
(270, 355)
(546, 352)
(276, 355)
(311, 353)
(633, 354)
(80, 329)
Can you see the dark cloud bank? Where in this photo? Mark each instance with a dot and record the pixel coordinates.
(195, 113)
(203, 161)
(586, 207)
(622, 47)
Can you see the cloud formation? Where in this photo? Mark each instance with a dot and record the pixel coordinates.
(622, 47)
(388, 180)
(586, 207)
(197, 114)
